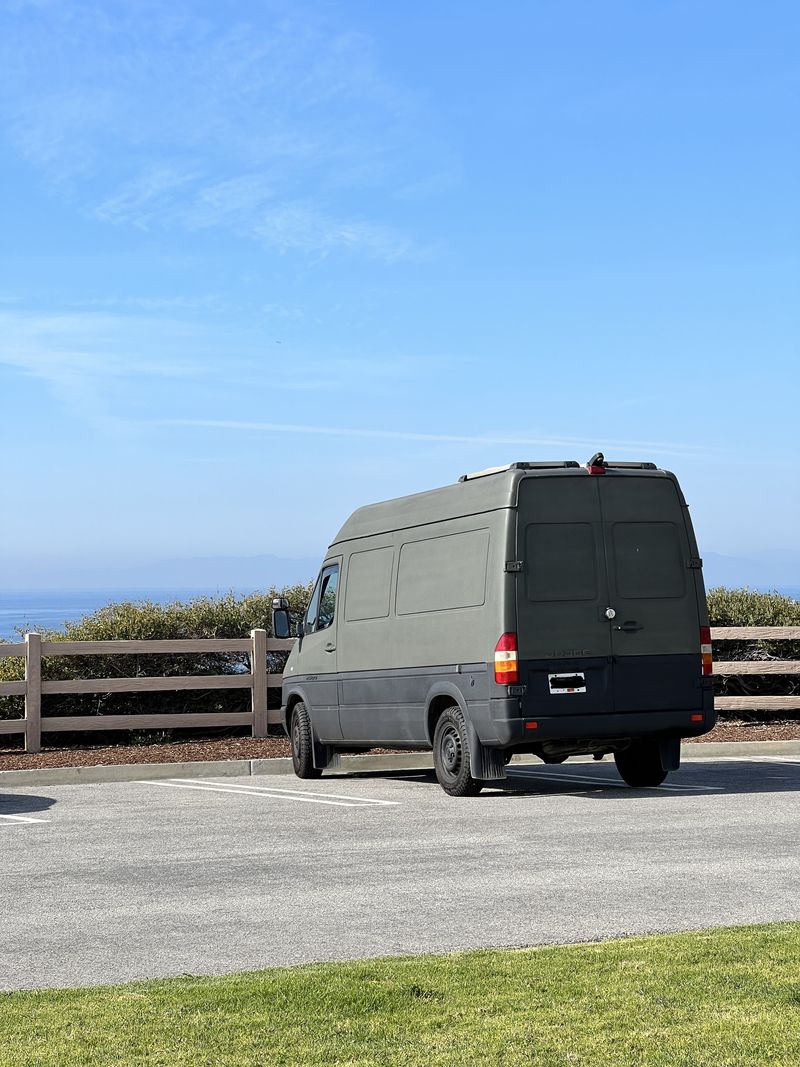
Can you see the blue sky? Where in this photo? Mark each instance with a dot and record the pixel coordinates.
(265, 262)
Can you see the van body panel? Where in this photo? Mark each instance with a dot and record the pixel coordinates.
(441, 600)
(390, 706)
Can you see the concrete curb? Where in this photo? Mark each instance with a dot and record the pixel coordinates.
(399, 761)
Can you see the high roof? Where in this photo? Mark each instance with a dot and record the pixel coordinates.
(473, 494)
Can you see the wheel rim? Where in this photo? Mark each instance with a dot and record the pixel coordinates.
(450, 751)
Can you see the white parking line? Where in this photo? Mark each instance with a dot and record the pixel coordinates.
(265, 794)
(22, 818)
(295, 792)
(750, 759)
(602, 782)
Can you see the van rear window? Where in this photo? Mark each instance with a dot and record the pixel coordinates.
(560, 561)
(647, 560)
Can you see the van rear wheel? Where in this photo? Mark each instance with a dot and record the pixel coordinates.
(451, 755)
(303, 744)
(640, 764)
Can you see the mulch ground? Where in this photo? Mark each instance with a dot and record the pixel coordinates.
(271, 747)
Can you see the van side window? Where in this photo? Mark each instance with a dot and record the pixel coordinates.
(369, 578)
(560, 561)
(647, 560)
(443, 573)
(322, 609)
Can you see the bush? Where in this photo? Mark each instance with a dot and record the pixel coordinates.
(202, 617)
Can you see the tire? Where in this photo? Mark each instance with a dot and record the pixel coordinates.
(640, 764)
(451, 755)
(303, 744)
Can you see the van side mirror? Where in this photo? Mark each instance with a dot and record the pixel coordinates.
(281, 620)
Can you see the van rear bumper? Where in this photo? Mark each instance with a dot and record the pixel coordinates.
(512, 729)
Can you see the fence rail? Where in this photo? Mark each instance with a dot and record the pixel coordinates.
(258, 680)
(727, 668)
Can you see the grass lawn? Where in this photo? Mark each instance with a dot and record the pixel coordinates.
(730, 998)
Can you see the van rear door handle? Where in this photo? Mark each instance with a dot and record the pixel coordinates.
(629, 627)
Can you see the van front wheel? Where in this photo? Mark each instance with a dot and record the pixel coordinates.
(640, 764)
(451, 755)
(303, 744)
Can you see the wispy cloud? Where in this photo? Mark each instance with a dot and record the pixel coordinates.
(667, 448)
(263, 120)
(108, 360)
(301, 226)
(90, 360)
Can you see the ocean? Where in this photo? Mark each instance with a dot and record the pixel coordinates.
(50, 609)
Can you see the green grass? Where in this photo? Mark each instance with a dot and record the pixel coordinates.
(728, 998)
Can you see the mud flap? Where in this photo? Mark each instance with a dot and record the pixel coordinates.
(669, 750)
(324, 756)
(485, 764)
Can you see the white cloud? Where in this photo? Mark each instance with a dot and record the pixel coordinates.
(146, 197)
(304, 227)
(668, 448)
(90, 361)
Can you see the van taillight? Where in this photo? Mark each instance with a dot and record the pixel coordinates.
(506, 661)
(705, 649)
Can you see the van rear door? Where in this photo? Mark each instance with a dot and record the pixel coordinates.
(598, 546)
(562, 596)
(655, 635)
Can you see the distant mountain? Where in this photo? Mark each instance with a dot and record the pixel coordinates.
(202, 573)
(778, 569)
(222, 572)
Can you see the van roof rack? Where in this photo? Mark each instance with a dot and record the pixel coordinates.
(524, 465)
(632, 466)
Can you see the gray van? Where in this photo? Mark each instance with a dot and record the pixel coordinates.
(545, 608)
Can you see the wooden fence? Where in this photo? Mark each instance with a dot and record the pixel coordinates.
(33, 688)
(756, 667)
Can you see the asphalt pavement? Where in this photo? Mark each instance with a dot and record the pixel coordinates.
(117, 881)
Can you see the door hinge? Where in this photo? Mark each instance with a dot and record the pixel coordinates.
(695, 564)
(513, 566)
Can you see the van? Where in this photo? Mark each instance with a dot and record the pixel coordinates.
(542, 607)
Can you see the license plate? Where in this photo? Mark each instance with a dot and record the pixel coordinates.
(565, 684)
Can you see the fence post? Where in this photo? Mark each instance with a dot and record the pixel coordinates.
(258, 669)
(33, 692)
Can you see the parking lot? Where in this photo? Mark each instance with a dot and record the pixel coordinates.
(104, 883)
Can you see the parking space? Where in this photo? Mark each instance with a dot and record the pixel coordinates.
(169, 876)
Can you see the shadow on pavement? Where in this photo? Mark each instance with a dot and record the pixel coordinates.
(601, 780)
(23, 803)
